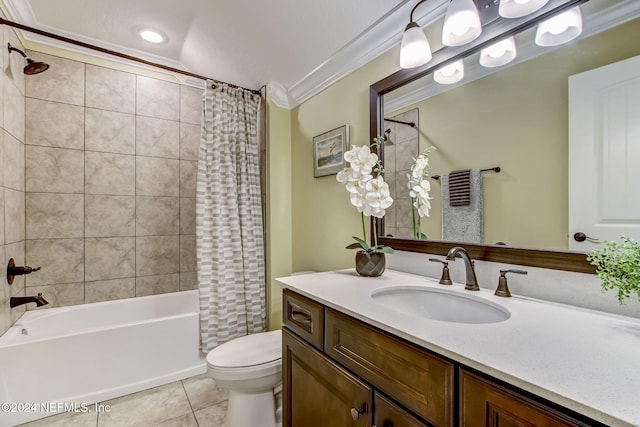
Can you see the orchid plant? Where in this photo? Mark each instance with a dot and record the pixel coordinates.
(370, 195)
(419, 187)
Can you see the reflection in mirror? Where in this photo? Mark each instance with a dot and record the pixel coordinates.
(515, 117)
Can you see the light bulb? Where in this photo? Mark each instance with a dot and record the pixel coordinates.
(518, 8)
(560, 28)
(461, 23)
(499, 53)
(449, 74)
(415, 49)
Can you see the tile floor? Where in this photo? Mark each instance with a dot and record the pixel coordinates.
(193, 402)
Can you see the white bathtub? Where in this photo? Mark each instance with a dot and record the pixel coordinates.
(69, 358)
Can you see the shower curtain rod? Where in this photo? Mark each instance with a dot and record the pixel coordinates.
(118, 54)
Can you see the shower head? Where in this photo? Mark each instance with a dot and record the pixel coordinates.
(31, 67)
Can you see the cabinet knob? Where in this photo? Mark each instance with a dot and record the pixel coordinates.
(355, 413)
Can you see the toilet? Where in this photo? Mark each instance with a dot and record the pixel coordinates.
(250, 367)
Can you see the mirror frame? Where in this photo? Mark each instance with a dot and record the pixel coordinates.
(558, 260)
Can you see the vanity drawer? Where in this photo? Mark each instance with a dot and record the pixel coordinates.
(424, 383)
(304, 317)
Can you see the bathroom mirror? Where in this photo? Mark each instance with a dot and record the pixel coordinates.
(526, 203)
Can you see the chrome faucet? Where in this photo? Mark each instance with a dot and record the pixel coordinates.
(39, 300)
(472, 282)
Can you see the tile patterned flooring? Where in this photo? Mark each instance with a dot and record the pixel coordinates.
(193, 402)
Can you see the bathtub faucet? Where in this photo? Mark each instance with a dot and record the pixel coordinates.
(16, 301)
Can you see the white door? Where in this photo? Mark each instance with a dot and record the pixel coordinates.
(604, 154)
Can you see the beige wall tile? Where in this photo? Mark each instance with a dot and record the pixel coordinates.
(191, 104)
(160, 284)
(108, 290)
(187, 215)
(188, 177)
(109, 258)
(14, 216)
(188, 281)
(156, 216)
(13, 63)
(13, 109)
(54, 215)
(61, 295)
(111, 89)
(188, 253)
(61, 260)
(109, 216)
(54, 170)
(57, 124)
(13, 162)
(189, 141)
(62, 82)
(157, 137)
(157, 98)
(107, 173)
(1, 229)
(157, 177)
(110, 131)
(157, 255)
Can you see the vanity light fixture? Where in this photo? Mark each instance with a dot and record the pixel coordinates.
(415, 49)
(518, 8)
(152, 36)
(450, 74)
(498, 54)
(461, 23)
(560, 29)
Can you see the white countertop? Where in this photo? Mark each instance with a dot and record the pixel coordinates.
(585, 360)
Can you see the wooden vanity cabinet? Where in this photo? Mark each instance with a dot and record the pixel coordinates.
(328, 388)
(339, 371)
(484, 403)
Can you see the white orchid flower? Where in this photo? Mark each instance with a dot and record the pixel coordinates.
(377, 198)
(361, 159)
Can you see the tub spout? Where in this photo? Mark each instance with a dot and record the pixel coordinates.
(39, 300)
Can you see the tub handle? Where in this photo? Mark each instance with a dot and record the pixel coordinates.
(13, 270)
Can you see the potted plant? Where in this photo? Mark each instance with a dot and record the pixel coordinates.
(618, 266)
(370, 195)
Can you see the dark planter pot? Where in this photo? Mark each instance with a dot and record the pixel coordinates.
(370, 264)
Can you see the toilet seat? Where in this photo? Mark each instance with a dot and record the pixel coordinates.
(247, 357)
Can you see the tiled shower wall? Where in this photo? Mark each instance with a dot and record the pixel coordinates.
(12, 197)
(110, 160)
(399, 154)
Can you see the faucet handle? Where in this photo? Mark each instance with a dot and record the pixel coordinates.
(444, 279)
(503, 288)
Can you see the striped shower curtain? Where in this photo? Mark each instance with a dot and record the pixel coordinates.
(229, 228)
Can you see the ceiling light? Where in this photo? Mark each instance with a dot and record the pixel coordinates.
(518, 8)
(560, 29)
(461, 23)
(152, 36)
(450, 74)
(415, 49)
(498, 54)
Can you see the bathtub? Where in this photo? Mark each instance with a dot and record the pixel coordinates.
(69, 358)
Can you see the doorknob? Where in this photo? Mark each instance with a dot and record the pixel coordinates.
(581, 237)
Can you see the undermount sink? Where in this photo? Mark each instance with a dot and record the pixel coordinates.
(440, 304)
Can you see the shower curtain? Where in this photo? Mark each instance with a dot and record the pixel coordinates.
(229, 227)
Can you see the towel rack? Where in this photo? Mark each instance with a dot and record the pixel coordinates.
(496, 169)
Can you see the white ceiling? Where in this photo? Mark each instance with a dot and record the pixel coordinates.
(303, 45)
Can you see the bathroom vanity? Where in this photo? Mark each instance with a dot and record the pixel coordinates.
(353, 357)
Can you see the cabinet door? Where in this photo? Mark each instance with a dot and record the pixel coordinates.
(421, 381)
(317, 392)
(388, 414)
(485, 404)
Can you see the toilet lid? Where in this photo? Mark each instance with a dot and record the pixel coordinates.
(250, 350)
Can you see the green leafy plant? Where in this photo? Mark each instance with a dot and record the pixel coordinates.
(618, 266)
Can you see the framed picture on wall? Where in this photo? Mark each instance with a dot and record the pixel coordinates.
(328, 151)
